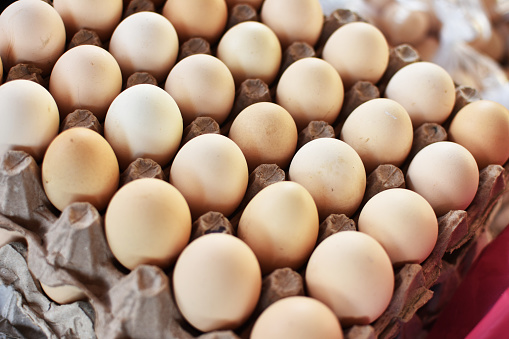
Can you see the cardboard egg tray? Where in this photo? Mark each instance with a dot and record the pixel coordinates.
(69, 248)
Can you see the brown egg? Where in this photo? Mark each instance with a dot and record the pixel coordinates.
(358, 51)
(445, 174)
(351, 273)
(280, 224)
(216, 282)
(86, 77)
(293, 20)
(482, 127)
(403, 24)
(29, 120)
(80, 165)
(297, 317)
(276, 126)
(251, 49)
(310, 89)
(147, 222)
(31, 31)
(197, 18)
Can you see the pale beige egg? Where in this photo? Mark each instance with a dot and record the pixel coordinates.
(351, 273)
(266, 134)
(482, 127)
(80, 165)
(280, 224)
(63, 294)
(202, 85)
(147, 222)
(216, 282)
(145, 42)
(31, 31)
(297, 317)
(403, 222)
(310, 89)
(86, 77)
(29, 118)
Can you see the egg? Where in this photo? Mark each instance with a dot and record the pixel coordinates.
(79, 165)
(380, 131)
(333, 173)
(1, 70)
(147, 222)
(297, 317)
(403, 222)
(86, 77)
(426, 91)
(202, 85)
(352, 274)
(216, 282)
(251, 49)
(63, 294)
(145, 42)
(311, 90)
(293, 20)
(29, 118)
(358, 51)
(445, 174)
(101, 16)
(402, 23)
(143, 122)
(31, 31)
(482, 127)
(212, 174)
(266, 133)
(197, 18)
(280, 224)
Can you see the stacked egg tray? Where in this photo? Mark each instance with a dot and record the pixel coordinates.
(70, 248)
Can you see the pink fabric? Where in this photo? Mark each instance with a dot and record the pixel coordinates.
(480, 307)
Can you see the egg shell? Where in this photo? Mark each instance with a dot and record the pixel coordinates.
(212, 174)
(426, 91)
(86, 77)
(358, 51)
(145, 42)
(280, 224)
(143, 122)
(293, 20)
(251, 49)
(311, 90)
(202, 85)
(482, 127)
(80, 166)
(445, 174)
(100, 16)
(403, 23)
(197, 18)
(403, 222)
(63, 294)
(29, 118)
(380, 131)
(351, 273)
(297, 317)
(147, 222)
(266, 133)
(333, 173)
(216, 282)
(31, 31)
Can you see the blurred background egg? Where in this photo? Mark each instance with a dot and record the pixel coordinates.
(280, 224)
(145, 41)
(310, 89)
(147, 222)
(29, 118)
(277, 127)
(86, 77)
(143, 122)
(216, 282)
(100, 16)
(202, 85)
(31, 31)
(80, 166)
